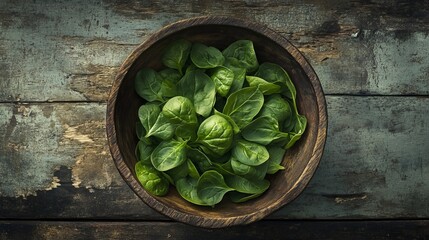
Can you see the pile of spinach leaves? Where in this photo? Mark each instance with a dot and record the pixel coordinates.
(214, 122)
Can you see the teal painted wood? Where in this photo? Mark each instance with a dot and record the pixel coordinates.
(70, 50)
(55, 163)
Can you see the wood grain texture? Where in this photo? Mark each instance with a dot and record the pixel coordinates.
(369, 230)
(72, 53)
(375, 164)
(53, 165)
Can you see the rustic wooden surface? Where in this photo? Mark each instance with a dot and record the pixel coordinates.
(58, 60)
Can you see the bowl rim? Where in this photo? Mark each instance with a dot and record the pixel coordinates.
(217, 222)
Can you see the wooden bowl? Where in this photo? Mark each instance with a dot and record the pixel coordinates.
(300, 161)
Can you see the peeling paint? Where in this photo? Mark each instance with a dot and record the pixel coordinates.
(24, 111)
(40, 138)
(71, 133)
(55, 183)
(76, 182)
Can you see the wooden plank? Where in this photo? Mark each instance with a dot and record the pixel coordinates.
(70, 51)
(55, 163)
(401, 229)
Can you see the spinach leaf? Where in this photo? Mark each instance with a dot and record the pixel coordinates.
(274, 73)
(152, 180)
(200, 90)
(277, 107)
(178, 172)
(143, 152)
(176, 54)
(223, 78)
(243, 105)
(187, 188)
(276, 157)
(154, 122)
(169, 77)
(244, 185)
(168, 155)
(223, 168)
(201, 161)
(186, 131)
(192, 169)
(266, 88)
(148, 85)
(191, 68)
(250, 172)
(238, 197)
(263, 130)
(211, 187)
(179, 110)
(169, 179)
(206, 57)
(216, 134)
(243, 51)
(239, 73)
(148, 114)
(162, 128)
(297, 123)
(298, 130)
(235, 127)
(250, 153)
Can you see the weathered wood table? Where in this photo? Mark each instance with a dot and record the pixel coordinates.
(58, 60)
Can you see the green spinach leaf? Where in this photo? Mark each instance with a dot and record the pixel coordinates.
(274, 73)
(162, 128)
(248, 186)
(266, 88)
(178, 172)
(243, 51)
(200, 90)
(234, 126)
(143, 152)
(152, 180)
(203, 56)
(216, 134)
(169, 77)
(250, 153)
(192, 169)
(298, 130)
(277, 107)
(263, 130)
(187, 188)
(243, 105)
(250, 172)
(176, 54)
(168, 155)
(276, 157)
(148, 114)
(223, 78)
(211, 187)
(180, 110)
(239, 73)
(148, 85)
(201, 161)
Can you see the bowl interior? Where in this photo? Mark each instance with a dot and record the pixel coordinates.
(283, 183)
